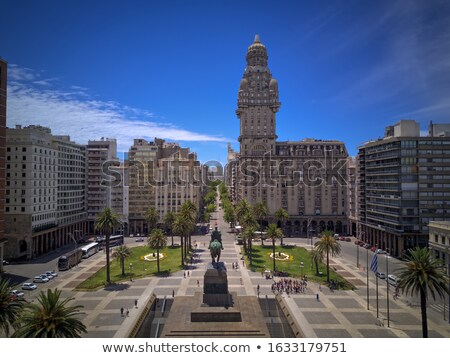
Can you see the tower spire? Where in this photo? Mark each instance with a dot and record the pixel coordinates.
(257, 40)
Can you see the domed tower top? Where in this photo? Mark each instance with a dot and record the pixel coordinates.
(257, 53)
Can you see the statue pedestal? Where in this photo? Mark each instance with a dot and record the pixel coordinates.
(215, 289)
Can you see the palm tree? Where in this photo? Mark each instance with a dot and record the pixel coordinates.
(260, 211)
(242, 209)
(157, 240)
(106, 222)
(169, 219)
(273, 233)
(329, 246)
(189, 211)
(182, 226)
(248, 235)
(229, 214)
(120, 254)
(152, 218)
(50, 318)
(282, 215)
(422, 274)
(317, 257)
(10, 308)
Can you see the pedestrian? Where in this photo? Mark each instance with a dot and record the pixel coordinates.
(317, 296)
(128, 312)
(198, 283)
(189, 274)
(121, 311)
(173, 293)
(184, 274)
(135, 303)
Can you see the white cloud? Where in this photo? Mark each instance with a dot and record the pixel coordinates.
(77, 114)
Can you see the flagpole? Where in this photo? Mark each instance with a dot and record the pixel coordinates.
(367, 274)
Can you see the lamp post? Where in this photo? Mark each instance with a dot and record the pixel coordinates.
(387, 287)
(131, 271)
(301, 266)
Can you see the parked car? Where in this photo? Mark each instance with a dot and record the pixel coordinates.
(40, 279)
(348, 239)
(28, 286)
(379, 251)
(5, 263)
(381, 275)
(342, 238)
(373, 248)
(139, 239)
(53, 273)
(49, 277)
(18, 294)
(367, 246)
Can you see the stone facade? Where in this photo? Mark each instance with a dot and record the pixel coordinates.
(439, 241)
(3, 70)
(45, 204)
(307, 178)
(161, 175)
(403, 185)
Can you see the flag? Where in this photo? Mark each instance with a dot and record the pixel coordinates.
(374, 263)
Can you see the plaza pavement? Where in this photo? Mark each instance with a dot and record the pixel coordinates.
(338, 314)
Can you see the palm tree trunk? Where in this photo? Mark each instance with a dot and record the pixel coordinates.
(273, 252)
(157, 258)
(172, 237)
(182, 249)
(317, 267)
(122, 265)
(260, 233)
(423, 309)
(108, 273)
(250, 252)
(328, 266)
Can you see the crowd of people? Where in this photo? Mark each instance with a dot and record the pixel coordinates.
(289, 286)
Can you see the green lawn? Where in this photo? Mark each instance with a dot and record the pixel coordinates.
(141, 268)
(262, 261)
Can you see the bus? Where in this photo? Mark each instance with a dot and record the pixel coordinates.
(69, 260)
(89, 250)
(115, 240)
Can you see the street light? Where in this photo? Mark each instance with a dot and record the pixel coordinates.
(301, 266)
(131, 271)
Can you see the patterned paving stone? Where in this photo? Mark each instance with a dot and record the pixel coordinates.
(377, 333)
(108, 319)
(320, 318)
(99, 293)
(87, 304)
(170, 282)
(100, 334)
(118, 303)
(404, 318)
(131, 292)
(332, 333)
(305, 302)
(360, 317)
(418, 333)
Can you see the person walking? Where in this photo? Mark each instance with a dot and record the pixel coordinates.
(317, 296)
(128, 312)
(121, 311)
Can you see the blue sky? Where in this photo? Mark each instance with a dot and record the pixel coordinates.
(171, 69)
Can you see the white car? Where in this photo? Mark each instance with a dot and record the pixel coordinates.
(381, 275)
(51, 273)
(379, 251)
(28, 286)
(18, 294)
(40, 279)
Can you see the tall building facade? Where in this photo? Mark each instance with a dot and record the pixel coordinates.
(403, 184)
(162, 175)
(439, 241)
(100, 155)
(307, 178)
(45, 203)
(3, 69)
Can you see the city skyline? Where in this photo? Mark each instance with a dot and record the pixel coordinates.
(172, 70)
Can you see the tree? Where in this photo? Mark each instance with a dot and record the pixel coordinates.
(106, 222)
(260, 211)
(229, 215)
(157, 240)
(282, 215)
(152, 218)
(273, 233)
(248, 235)
(120, 254)
(182, 226)
(242, 209)
(317, 257)
(189, 210)
(10, 308)
(169, 219)
(422, 274)
(50, 318)
(328, 245)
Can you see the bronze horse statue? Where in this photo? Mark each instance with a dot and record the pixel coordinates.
(215, 245)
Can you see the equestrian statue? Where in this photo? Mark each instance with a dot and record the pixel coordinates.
(215, 245)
